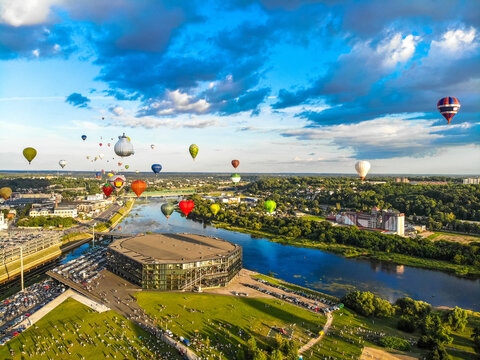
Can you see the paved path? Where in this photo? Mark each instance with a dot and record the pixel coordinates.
(313, 341)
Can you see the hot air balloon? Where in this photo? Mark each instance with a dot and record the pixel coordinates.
(448, 107)
(235, 163)
(5, 192)
(101, 156)
(123, 147)
(362, 168)
(127, 166)
(96, 158)
(62, 163)
(109, 175)
(152, 146)
(120, 163)
(108, 144)
(193, 151)
(103, 118)
(167, 209)
(186, 206)
(100, 144)
(29, 153)
(88, 157)
(98, 175)
(137, 171)
(156, 168)
(84, 137)
(138, 187)
(107, 189)
(118, 182)
(236, 178)
(270, 206)
(215, 208)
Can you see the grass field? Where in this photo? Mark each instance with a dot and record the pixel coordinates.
(313, 218)
(227, 321)
(464, 239)
(61, 333)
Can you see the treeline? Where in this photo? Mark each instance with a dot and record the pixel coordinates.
(463, 201)
(24, 183)
(281, 349)
(46, 221)
(325, 232)
(412, 315)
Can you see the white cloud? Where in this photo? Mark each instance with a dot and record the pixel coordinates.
(397, 49)
(117, 110)
(36, 53)
(176, 102)
(26, 12)
(153, 122)
(455, 43)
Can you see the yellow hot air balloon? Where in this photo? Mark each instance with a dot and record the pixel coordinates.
(110, 175)
(215, 208)
(29, 154)
(5, 192)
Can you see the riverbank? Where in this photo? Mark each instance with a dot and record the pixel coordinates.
(351, 252)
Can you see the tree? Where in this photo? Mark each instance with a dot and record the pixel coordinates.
(438, 353)
(259, 355)
(476, 338)
(457, 318)
(276, 355)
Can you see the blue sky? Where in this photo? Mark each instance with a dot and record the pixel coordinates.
(283, 86)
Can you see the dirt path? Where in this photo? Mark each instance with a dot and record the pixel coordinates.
(369, 353)
(313, 341)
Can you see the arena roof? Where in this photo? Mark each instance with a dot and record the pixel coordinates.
(172, 248)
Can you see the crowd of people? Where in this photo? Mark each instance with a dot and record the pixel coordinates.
(20, 306)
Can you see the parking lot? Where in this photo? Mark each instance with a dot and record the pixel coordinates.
(20, 306)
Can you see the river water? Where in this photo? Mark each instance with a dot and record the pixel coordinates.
(316, 269)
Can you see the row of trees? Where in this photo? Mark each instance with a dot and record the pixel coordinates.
(282, 349)
(291, 227)
(46, 221)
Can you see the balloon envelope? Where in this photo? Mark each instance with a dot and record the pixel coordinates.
(118, 182)
(152, 146)
(448, 107)
(62, 163)
(167, 209)
(235, 163)
(270, 206)
(5, 192)
(186, 206)
(362, 167)
(193, 149)
(156, 168)
(107, 189)
(123, 147)
(236, 178)
(29, 153)
(215, 208)
(138, 187)
(84, 137)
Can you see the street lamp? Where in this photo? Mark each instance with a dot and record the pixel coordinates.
(93, 233)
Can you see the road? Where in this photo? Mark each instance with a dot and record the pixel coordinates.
(101, 218)
(313, 341)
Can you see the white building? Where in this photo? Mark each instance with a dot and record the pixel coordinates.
(3, 222)
(471, 181)
(65, 212)
(94, 197)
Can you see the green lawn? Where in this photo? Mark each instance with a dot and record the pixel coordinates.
(71, 323)
(313, 218)
(227, 321)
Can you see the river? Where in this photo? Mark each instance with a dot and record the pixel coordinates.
(319, 270)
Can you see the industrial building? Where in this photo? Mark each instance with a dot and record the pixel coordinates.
(386, 220)
(175, 261)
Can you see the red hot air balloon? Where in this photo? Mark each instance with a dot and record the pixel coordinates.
(100, 144)
(107, 189)
(120, 164)
(448, 107)
(235, 163)
(186, 206)
(138, 187)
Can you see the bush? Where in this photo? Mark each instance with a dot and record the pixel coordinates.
(395, 343)
(406, 324)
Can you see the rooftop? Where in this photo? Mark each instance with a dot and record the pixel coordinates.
(172, 248)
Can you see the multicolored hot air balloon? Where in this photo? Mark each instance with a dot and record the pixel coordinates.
(235, 178)
(123, 147)
(193, 149)
(98, 175)
(62, 163)
(118, 182)
(235, 163)
(448, 107)
(362, 167)
(107, 189)
(84, 137)
(5, 192)
(152, 146)
(167, 209)
(215, 208)
(138, 187)
(29, 153)
(186, 206)
(120, 163)
(270, 206)
(156, 168)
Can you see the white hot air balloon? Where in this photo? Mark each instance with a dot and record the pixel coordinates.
(235, 178)
(62, 163)
(101, 156)
(362, 167)
(123, 147)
